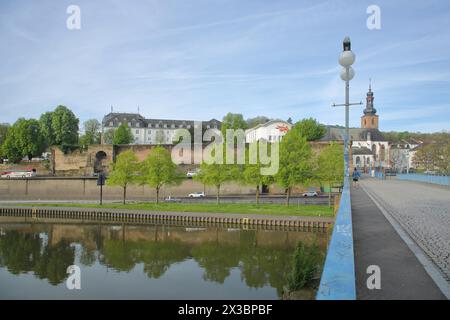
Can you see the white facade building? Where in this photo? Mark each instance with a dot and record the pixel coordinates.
(271, 131)
(402, 154)
(153, 131)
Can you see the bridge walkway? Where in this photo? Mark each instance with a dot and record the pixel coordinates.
(377, 242)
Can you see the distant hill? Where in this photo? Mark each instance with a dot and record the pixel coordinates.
(436, 137)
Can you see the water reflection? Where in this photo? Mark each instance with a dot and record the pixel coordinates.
(261, 258)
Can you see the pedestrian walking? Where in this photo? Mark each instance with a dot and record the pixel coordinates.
(355, 176)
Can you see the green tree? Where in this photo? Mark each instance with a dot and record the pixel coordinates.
(330, 164)
(295, 161)
(158, 170)
(91, 133)
(251, 175)
(45, 122)
(124, 171)
(253, 122)
(289, 120)
(216, 175)
(123, 135)
(233, 121)
(4, 128)
(64, 126)
(108, 136)
(24, 139)
(310, 129)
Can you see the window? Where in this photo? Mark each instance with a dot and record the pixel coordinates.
(149, 131)
(149, 125)
(173, 126)
(138, 124)
(165, 125)
(137, 131)
(156, 125)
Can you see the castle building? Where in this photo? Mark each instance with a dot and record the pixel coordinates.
(152, 131)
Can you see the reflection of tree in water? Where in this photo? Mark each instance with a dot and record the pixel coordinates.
(87, 256)
(156, 256)
(24, 252)
(117, 254)
(260, 265)
(19, 251)
(216, 259)
(53, 262)
(159, 256)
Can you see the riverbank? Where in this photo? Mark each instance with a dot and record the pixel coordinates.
(238, 208)
(122, 214)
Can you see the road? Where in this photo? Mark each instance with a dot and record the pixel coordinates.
(423, 210)
(321, 200)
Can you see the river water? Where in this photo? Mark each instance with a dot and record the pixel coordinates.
(147, 261)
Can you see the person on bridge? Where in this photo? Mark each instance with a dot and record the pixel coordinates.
(355, 176)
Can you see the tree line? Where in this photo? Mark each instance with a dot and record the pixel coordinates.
(433, 157)
(298, 166)
(28, 138)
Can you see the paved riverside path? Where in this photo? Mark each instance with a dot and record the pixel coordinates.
(380, 240)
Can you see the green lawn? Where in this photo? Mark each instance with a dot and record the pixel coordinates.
(269, 209)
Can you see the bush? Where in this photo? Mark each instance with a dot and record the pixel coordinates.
(306, 263)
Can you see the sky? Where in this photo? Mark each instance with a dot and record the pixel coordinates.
(199, 59)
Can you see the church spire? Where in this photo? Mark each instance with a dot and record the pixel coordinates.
(370, 110)
(369, 120)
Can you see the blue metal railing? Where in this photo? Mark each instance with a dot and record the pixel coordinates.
(435, 179)
(338, 276)
(379, 174)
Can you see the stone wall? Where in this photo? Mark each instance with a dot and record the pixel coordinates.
(82, 162)
(86, 188)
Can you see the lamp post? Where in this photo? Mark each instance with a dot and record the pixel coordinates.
(346, 59)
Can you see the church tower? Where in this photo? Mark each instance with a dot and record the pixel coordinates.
(370, 119)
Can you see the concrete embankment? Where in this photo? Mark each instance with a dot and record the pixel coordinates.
(175, 218)
(85, 188)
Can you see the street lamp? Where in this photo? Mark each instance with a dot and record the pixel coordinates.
(346, 59)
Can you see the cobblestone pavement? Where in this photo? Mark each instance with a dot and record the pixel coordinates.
(423, 210)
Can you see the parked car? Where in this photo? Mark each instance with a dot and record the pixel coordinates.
(191, 174)
(310, 194)
(196, 195)
(19, 174)
(170, 199)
